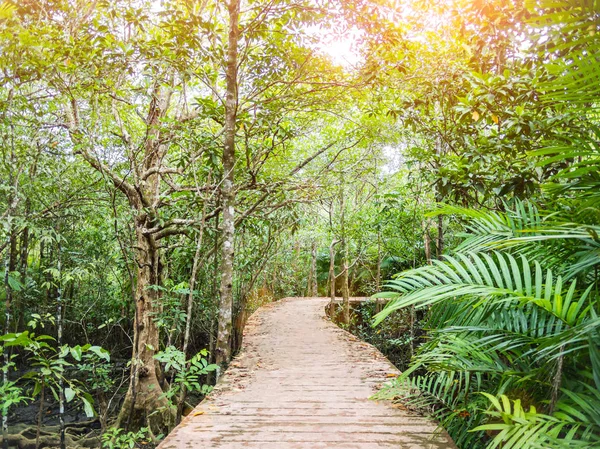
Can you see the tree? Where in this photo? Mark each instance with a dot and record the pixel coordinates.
(227, 189)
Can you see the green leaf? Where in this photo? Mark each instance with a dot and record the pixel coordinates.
(88, 408)
(69, 394)
(76, 352)
(100, 352)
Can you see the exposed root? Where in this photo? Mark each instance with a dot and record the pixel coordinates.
(77, 436)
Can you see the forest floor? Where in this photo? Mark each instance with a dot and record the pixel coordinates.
(301, 382)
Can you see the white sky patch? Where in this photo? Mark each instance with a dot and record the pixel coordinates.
(394, 160)
(341, 48)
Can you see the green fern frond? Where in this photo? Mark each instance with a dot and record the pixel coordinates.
(496, 280)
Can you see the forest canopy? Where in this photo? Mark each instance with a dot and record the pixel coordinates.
(168, 167)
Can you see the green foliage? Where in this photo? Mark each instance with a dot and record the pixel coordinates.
(10, 396)
(187, 373)
(396, 337)
(489, 106)
(501, 324)
(116, 438)
(50, 366)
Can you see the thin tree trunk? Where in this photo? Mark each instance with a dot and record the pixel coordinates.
(331, 281)
(23, 264)
(557, 380)
(345, 287)
(223, 352)
(427, 241)
(315, 283)
(7, 311)
(190, 304)
(378, 275)
(9, 267)
(59, 341)
(40, 415)
(440, 237)
(311, 287)
(412, 330)
(214, 290)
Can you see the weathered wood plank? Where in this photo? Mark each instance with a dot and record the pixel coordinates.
(302, 382)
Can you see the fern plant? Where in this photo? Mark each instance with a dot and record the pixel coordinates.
(499, 324)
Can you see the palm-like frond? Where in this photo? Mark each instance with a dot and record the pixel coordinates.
(498, 278)
(571, 45)
(444, 396)
(498, 323)
(572, 247)
(488, 229)
(568, 428)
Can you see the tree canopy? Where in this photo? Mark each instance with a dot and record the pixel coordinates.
(167, 167)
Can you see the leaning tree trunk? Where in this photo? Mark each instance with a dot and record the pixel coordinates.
(223, 350)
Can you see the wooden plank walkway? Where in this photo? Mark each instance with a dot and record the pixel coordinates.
(301, 382)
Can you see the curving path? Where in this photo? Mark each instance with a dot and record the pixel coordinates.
(300, 382)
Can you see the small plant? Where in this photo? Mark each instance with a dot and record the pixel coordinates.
(50, 364)
(10, 395)
(185, 373)
(38, 320)
(117, 438)
(171, 319)
(98, 380)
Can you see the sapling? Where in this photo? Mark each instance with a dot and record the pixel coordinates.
(186, 373)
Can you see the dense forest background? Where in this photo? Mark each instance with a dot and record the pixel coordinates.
(167, 167)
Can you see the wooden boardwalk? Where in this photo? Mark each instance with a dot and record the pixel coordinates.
(300, 382)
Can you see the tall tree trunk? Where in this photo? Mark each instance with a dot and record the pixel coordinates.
(378, 274)
(214, 289)
(9, 266)
(23, 265)
(223, 350)
(144, 403)
(7, 317)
